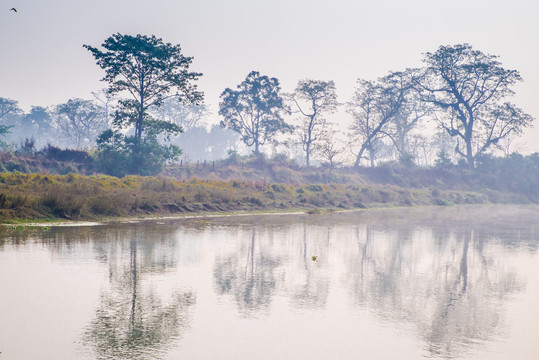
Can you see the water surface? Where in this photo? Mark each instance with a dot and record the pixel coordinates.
(457, 282)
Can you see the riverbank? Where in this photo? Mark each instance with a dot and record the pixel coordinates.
(37, 197)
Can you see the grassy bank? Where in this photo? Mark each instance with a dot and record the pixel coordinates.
(31, 197)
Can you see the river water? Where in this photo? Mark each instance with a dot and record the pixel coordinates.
(454, 282)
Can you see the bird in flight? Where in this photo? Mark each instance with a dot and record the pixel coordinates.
(13, 9)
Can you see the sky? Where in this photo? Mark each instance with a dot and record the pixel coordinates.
(43, 62)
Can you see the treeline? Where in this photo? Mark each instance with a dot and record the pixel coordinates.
(152, 110)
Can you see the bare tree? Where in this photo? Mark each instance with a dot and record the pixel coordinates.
(106, 100)
(186, 116)
(313, 99)
(81, 121)
(374, 104)
(467, 87)
(328, 150)
(407, 119)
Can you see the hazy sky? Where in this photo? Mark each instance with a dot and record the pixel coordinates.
(42, 61)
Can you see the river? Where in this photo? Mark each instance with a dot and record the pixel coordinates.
(409, 283)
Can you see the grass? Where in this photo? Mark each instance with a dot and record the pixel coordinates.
(36, 197)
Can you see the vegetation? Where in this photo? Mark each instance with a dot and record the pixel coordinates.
(255, 110)
(38, 197)
(313, 99)
(467, 88)
(149, 71)
(133, 128)
(266, 186)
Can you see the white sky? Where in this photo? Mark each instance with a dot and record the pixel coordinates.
(42, 61)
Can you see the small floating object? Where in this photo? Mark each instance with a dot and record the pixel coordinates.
(315, 258)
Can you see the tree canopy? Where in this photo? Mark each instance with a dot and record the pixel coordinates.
(255, 110)
(468, 88)
(374, 104)
(149, 71)
(313, 99)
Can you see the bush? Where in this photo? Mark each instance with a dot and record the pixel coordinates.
(120, 155)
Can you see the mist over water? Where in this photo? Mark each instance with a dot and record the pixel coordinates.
(456, 282)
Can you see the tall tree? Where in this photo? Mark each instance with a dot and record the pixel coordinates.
(313, 99)
(149, 71)
(81, 121)
(468, 88)
(254, 110)
(374, 104)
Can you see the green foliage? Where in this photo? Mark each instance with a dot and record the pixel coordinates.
(119, 155)
(150, 71)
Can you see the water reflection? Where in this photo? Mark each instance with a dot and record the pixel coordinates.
(133, 320)
(452, 286)
(311, 289)
(249, 275)
(450, 277)
(447, 275)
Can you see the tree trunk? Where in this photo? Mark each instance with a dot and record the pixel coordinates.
(469, 151)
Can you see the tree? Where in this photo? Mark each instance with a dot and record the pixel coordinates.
(374, 104)
(149, 71)
(185, 116)
(37, 123)
(313, 99)
(328, 150)
(254, 110)
(81, 121)
(8, 109)
(468, 88)
(407, 119)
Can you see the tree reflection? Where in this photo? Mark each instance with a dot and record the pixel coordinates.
(453, 288)
(249, 275)
(132, 320)
(260, 266)
(312, 289)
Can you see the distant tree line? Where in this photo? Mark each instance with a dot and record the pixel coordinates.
(152, 109)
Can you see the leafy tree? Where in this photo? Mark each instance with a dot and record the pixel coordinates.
(468, 88)
(374, 104)
(149, 71)
(81, 121)
(8, 107)
(115, 156)
(254, 110)
(313, 99)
